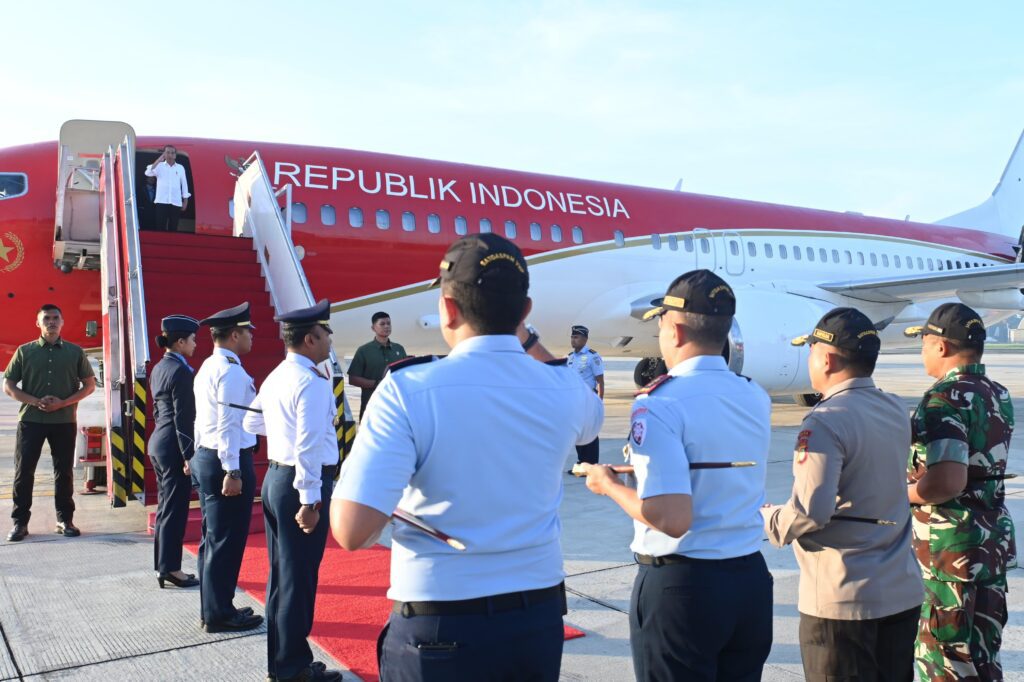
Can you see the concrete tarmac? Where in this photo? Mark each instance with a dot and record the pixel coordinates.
(89, 609)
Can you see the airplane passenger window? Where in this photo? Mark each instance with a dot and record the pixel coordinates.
(896, 261)
(823, 255)
(355, 217)
(885, 260)
(673, 242)
(461, 226)
(949, 264)
(835, 255)
(510, 229)
(556, 233)
(383, 218)
(751, 249)
(485, 225)
(688, 243)
(705, 245)
(408, 221)
(810, 254)
(328, 216)
(734, 247)
(620, 239)
(231, 208)
(767, 250)
(797, 253)
(782, 251)
(298, 213)
(433, 223)
(860, 257)
(958, 265)
(931, 264)
(849, 257)
(920, 263)
(656, 241)
(13, 185)
(535, 233)
(874, 259)
(577, 234)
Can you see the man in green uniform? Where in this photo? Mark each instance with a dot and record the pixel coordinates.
(372, 359)
(54, 376)
(963, 533)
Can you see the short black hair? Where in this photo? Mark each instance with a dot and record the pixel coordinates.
(487, 312)
(171, 338)
(222, 333)
(707, 330)
(164, 148)
(294, 336)
(379, 315)
(860, 365)
(46, 307)
(971, 350)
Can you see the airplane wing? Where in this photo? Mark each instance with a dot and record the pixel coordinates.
(932, 285)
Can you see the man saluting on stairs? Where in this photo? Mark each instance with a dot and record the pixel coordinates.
(171, 189)
(295, 410)
(223, 468)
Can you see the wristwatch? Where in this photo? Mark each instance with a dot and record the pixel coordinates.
(532, 339)
(315, 506)
(234, 474)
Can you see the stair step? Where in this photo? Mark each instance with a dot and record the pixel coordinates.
(184, 239)
(199, 285)
(197, 253)
(190, 267)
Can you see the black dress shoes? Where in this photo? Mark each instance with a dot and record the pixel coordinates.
(17, 533)
(316, 672)
(236, 623)
(188, 581)
(244, 611)
(67, 529)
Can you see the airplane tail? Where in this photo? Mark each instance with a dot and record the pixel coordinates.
(1003, 212)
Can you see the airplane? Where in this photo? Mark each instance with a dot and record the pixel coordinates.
(370, 230)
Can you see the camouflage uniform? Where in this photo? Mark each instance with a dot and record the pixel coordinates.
(965, 545)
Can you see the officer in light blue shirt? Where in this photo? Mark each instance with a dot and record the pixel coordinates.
(585, 361)
(473, 444)
(702, 603)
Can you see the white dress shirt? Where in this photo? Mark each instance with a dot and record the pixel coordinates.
(171, 185)
(705, 413)
(222, 380)
(475, 444)
(298, 421)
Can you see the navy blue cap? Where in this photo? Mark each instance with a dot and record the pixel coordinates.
(580, 330)
(179, 324)
(306, 317)
(232, 317)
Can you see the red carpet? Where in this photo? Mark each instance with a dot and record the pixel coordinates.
(351, 606)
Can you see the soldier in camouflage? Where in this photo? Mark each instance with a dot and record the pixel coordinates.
(963, 533)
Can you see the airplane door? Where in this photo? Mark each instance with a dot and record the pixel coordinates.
(704, 249)
(732, 247)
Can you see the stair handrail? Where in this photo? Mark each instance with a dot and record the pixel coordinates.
(136, 289)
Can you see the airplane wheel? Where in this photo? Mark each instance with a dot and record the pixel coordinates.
(647, 370)
(807, 399)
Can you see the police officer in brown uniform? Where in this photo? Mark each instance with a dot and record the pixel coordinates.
(848, 517)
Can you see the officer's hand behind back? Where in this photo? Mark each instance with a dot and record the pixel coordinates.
(232, 487)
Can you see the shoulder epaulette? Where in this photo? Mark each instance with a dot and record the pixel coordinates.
(410, 361)
(651, 387)
(744, 376)
(591, 350)
(231, 360)
(558, 362)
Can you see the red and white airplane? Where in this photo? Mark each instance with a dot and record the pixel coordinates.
(371, 228)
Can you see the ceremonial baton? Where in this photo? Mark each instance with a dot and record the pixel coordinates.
(864, 519)
(579, 470)
(422, 526)
(241, 407)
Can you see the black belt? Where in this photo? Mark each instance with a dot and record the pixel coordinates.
(669, 559)
(278, 465)
(497, 603)
(244, 451)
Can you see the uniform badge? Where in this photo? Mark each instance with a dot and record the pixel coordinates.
(801, 446)
(638, 431)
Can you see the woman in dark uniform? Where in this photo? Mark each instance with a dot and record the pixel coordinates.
(171, 446)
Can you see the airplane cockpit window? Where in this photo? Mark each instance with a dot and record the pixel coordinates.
(620, 239)
(782, 252)
(577, 234)
(461, 226)
(485, 225)
(433, 223)
(13, 185)
(355, 216)
(535, 232)
(556, 233)
(383, 219)
(510, 229)
(768, 250)
(408, 221)
(328, 216)
(299, 215)
(958, 265)
(656, 240)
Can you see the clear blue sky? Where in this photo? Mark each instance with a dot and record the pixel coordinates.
(886, 108)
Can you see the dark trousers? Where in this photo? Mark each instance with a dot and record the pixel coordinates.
(702, 620)
(28, 447)
(510, 646)
(174, 489)
(590, 452)
(225, 531)
(876, 650)
(166, 217)
(294, 568)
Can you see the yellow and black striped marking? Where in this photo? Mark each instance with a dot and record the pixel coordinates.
(138, 458)
(118, 468)
(345, 431)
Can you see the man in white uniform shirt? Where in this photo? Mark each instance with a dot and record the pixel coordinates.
(223, 468)
(295, 410)
(702, 601)
(474, 444)
(586, 361)
(172, 195)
